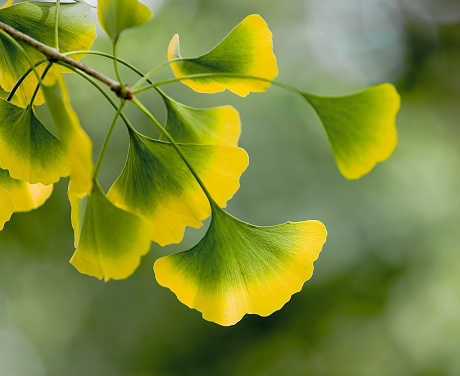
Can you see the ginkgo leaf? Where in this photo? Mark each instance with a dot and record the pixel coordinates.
(37, 19)
(25, 196)
(207, 126)
(109, 241)
(27, 149)
(158, 185)
(115, 16)
(360, 127)
(238, 268)
(76, 143)
(6, 207)
(246, 50)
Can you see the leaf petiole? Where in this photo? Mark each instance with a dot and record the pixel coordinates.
(149, 74)
(50, 64)
(107, 139)
(56, 25)
(213, 75)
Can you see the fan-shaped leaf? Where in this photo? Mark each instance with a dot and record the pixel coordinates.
(158, 185)
(246, 50)
(109, 241)
(360, 127)
(27, 149)
(115, 16)
(238, 268)
(76, 32)
(207, 126)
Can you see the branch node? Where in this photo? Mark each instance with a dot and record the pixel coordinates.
(127, 93)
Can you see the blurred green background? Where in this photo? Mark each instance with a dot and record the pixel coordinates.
(385, 295)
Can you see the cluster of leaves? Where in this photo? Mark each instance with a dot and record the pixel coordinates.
(178, 180)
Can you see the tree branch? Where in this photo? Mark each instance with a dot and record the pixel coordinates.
(53, 55)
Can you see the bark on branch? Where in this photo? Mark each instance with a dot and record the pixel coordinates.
(54, 55)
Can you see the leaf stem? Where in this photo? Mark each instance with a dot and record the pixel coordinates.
(107, 139)
(101, 90)
(213, 75)
(136, 102)
(149, 74)
(56, 25)
(115, 66)
(38, 85)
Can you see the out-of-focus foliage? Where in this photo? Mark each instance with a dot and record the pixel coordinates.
(385, 296)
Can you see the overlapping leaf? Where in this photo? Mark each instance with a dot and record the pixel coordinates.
(238, 268)
(207, 126)
(158, 185)
(27, 149)
(25, 196)
(115, 16)
(37, 19)
(246, 50)
(76, 143)
(109, 241)
(360, 127)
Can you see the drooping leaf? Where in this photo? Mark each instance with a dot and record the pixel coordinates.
(27, 149)
(6, 207)
(76, 143)
(109, 241)
(25, 196)
(360, 127)
(158, 185)
(238, 268)
(76, 32)
(207, 126)
(115, 16)
(246, 50)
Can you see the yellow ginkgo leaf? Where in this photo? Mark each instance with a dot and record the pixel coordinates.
(158, 185)
(25, 196)
(360, 127)
(6, 207)
(246, 51)
(27, 149)
(206, 126)
(238, 268)
(109, 241)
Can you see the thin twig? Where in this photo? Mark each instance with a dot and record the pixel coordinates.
(53, 55)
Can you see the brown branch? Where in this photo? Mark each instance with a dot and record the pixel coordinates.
(54, 55)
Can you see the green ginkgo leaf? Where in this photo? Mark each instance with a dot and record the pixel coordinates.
(27, 149)
(360, 127)
(76, 143)
(25, 196)
(207, 126)
(76, 33)
(115, 16)
(238, 268)
(246, 50)
(158, 185)
(6, 207)
(109, 241)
